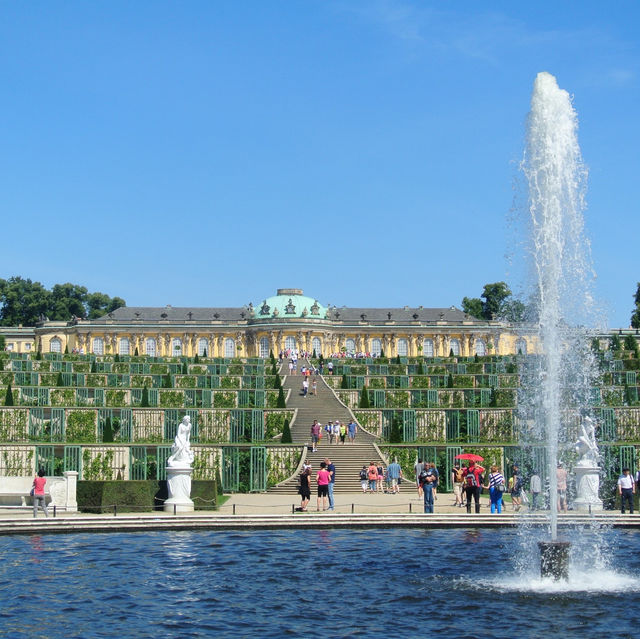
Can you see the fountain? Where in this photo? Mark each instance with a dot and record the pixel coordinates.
(559, 382)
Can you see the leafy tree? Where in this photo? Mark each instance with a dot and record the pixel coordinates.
(3, 343)
(99, 304)
(494, 296)
(635, 316)
(23, 302)
(473, 306)
(286, 433)
(67, 300)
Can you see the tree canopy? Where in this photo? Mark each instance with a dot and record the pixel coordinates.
(635, 316)
(25, 302)
(497, 303)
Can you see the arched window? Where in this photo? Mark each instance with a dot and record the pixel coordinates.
(55, 345)
(521, 346)
(316, 345)
(176, 347)
(229, 347)
(376, 347)
(350, 345)
(479, 347)
(403, 347)
(290, 343)
(124, 346)
(98, 346)
(203, 346)
(264, 347)
(150, 347)
(427, 348)
(454, 346)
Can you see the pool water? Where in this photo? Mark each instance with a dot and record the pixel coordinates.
(335, 583)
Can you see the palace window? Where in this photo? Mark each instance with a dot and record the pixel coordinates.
(9, 347)
(150, 347)
(98, 346)
(403, 347)
(55, 345)
(376, 347)
(454, 347)
(264, 347)
(203, 346)
(316, 345)
(480, 348)
(229, 347)
(124, 346)
(427, 348)
(521, 346)
(350, 345)
(290, 343)
(176, 347)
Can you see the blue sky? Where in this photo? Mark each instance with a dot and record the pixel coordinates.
(207, 153)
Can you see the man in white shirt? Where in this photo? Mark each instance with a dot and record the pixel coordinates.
(626, 489)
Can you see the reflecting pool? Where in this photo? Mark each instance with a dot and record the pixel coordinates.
(337, 583)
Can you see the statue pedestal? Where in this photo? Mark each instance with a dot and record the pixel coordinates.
(179, 488)
(587, 487)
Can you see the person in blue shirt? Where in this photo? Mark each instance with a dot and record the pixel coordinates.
(332, 472)
(394, 473)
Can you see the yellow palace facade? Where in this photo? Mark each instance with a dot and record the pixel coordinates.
(289, 320)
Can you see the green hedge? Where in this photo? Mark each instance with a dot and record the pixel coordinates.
(139, 496)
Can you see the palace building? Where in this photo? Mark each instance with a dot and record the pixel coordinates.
(287, 320)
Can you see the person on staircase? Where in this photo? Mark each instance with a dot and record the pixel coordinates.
(352, 429)
(335, 431)
(315, 434)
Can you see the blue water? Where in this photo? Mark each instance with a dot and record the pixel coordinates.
(334, 583)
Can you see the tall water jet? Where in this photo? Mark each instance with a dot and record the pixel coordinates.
(558, 384)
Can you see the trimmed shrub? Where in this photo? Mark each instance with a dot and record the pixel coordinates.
(364, 398)
(286, 433)
(281, 403)
(8, 398)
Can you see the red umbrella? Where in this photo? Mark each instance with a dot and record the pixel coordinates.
(469, 457)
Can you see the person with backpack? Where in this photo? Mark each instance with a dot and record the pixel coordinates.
(515, 485)
(364, 480)
(472, 475)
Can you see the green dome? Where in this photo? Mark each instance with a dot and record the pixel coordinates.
(290, 303)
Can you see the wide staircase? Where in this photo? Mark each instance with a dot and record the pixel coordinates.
(347, 458)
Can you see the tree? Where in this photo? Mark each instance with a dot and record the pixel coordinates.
(99, 304)
(494, 296)
(281, 403)
(286, 433)
(67, 300)
(23, 302)
(8, 398)
(345, 382)
(3, 343)
(630, 343)
(473, 306)
(144, 402)
(635, 316)
(614, 343)
(364, 398)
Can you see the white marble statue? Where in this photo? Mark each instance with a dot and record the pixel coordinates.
(586, 446)
(181, 454)
(179, 471)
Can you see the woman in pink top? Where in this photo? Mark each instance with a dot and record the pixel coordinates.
(323, 478)
(38, 493)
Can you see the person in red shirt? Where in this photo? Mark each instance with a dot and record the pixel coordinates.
(38, 493)
(472, 477)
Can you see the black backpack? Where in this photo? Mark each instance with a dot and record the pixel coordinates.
(363, 474)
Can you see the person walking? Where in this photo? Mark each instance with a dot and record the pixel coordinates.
(535, 485)
(38, 493)
(315, 434)
(496, 489)
(418, 468)
(343, 432)
(314, 387)
(561, 476)
(372, 476)
(305, 387)
(473, 484)
(332, 472)
(364, 480)
(626, 489)
(457, 478)
(352, 429)
(515, 486)
(394, 475)
(305, 488)
(335, 431)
